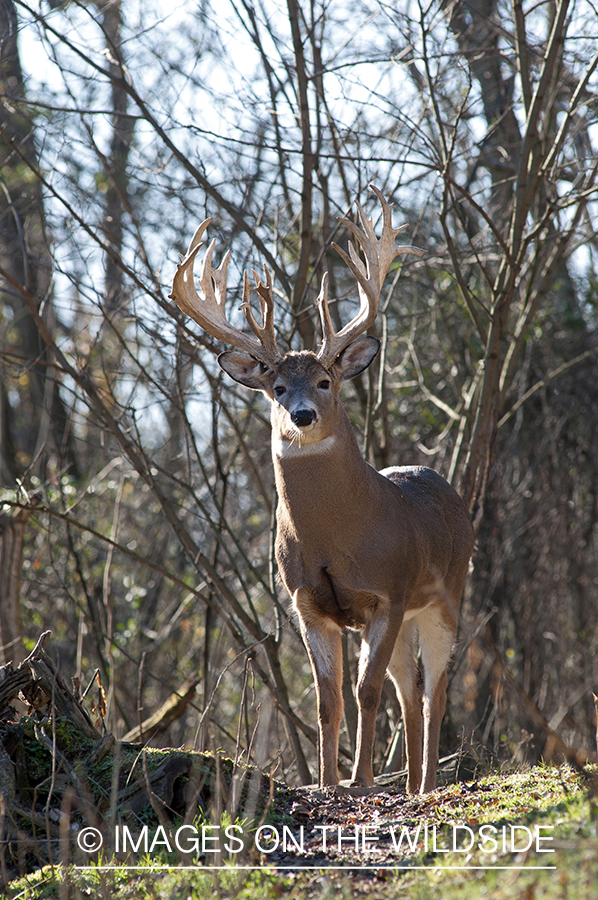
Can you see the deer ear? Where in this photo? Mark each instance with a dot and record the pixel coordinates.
(355, 358)
(244, 368)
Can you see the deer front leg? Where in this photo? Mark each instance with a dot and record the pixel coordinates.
(322, 638)
(376, 649)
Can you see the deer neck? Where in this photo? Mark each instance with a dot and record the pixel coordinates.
(322, 476)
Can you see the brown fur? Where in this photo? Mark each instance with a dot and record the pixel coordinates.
(360, 549)
(386, 553)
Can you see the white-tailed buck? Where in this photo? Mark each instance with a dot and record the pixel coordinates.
(383, 552)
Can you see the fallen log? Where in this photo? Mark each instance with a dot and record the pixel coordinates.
(172, 709)
(59, 775)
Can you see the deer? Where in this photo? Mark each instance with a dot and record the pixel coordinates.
(385, 552)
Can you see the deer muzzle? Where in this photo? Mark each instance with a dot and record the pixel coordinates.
(303, 417)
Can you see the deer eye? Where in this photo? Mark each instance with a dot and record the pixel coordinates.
(324, 385)
(279, 390)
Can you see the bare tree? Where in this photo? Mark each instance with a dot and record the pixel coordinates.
(479, 119)
(34, 428)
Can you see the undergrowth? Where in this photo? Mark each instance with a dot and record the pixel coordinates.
(559, 801)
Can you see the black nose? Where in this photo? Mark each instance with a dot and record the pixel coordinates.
(303, 417)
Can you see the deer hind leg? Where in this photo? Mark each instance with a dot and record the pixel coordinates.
(436, 637)
(322, 638)
(403, 671)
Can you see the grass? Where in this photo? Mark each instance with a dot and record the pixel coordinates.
(558, 800)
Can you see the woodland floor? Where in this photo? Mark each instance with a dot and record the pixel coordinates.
(82, 815)
(526, 834)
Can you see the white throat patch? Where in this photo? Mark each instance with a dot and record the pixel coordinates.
(283, 449)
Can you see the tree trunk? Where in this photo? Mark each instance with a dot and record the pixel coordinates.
(37, 425)
(12, 530)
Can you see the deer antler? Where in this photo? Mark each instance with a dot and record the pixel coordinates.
(370, 276)
(209, 312)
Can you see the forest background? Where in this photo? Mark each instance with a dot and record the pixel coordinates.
(140, 479)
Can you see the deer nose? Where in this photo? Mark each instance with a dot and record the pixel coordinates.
(303, 417)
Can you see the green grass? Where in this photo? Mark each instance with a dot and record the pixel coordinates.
(557, 799)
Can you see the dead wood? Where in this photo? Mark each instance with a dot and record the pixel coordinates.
(11, 683)
(172, 709)
(55, 759)
(38, 680)
(159, 786)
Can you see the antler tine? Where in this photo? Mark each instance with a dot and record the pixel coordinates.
(370, 275)
(327, 328)
(209, 310)
(265, 334)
